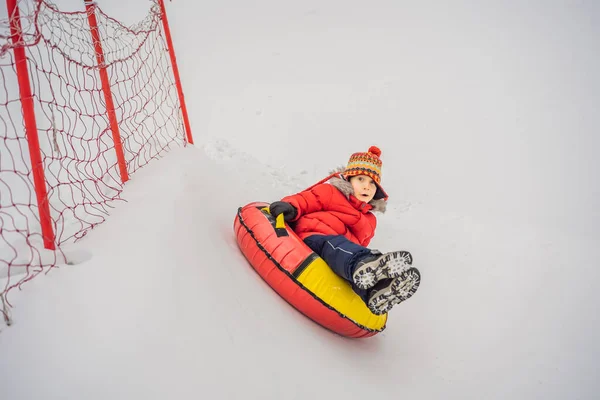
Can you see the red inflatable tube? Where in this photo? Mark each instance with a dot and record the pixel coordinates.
(277, 259)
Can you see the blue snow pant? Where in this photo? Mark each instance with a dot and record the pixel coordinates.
(341, 255)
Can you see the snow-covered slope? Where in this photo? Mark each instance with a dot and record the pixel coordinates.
(487, 117)
(166, 306)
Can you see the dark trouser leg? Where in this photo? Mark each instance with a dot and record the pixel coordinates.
(340, 254)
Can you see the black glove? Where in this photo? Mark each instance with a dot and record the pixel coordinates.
(281, 207)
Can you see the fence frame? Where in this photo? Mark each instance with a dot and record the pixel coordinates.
(28, 109)
(90, 7)
(165, 22)
(31, 130)
(36, 155)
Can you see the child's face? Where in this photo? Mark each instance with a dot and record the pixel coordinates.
(364, 187)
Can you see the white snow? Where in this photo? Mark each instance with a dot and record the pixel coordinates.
(487, 115)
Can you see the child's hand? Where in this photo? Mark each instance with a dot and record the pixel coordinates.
(281, 207)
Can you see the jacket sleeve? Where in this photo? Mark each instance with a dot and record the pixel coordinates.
(316, 199)
(373, 224)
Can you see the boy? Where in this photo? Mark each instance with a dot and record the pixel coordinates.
(336, 221)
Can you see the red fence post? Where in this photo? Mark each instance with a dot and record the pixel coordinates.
(31, 131)
(165, 23)
(90, 7)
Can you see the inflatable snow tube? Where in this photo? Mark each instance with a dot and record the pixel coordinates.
(301, 277)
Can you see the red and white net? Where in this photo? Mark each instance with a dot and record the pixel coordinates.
(76, 142)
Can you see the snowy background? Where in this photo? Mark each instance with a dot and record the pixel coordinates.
(487, 115)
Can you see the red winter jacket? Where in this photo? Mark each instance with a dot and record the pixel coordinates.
(331, 209)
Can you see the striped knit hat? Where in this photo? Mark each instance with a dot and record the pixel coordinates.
(367, 164)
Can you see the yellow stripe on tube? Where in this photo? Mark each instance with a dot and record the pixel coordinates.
(337, 292)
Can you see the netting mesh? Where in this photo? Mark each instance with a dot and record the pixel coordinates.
(75, 136)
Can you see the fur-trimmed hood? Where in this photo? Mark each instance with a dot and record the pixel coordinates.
(346, 188)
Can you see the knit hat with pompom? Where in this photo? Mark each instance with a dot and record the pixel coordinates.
(368, 164)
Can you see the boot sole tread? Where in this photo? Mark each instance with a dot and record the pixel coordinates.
(389, 265)
(403, 288)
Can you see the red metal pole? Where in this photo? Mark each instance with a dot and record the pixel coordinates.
(90, 7)
(31, 132)
(165, 23)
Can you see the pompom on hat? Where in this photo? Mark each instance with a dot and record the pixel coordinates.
(368, 164)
